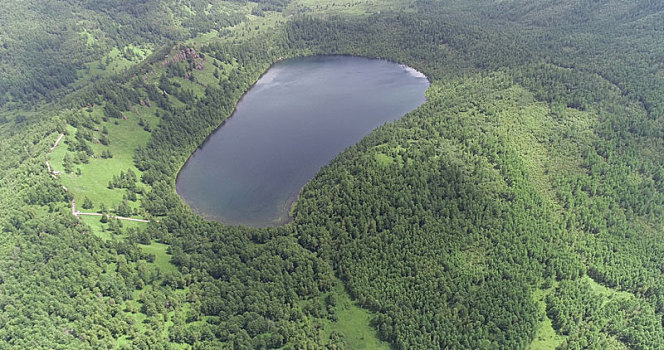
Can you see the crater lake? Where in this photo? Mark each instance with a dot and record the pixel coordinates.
(297, 117)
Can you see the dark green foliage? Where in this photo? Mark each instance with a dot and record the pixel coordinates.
(590, 319)
(103, 139)
(106, 154)
(68, 164)
(537, 162)
(36, 29)
(126, 180)
(456, 250)
(87, 203)
(123, 209)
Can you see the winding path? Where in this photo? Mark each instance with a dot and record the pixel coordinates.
(73, 201)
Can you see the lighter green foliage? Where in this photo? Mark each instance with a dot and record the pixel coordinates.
(125, 137)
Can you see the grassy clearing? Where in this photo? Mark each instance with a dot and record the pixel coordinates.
(206, 76)
(546, 337)
(245, 29)
(189, 85)
(354, 323)
(162, 259)
(102, 231)
(606, 293)
(125, 136)
(256, 25)
(89, 37)
(388, 154)
(383, 159)
(203, 37)
(114, 62)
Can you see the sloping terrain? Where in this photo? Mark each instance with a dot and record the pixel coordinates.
(520, 207)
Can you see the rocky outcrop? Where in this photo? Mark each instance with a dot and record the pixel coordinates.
(185, 55)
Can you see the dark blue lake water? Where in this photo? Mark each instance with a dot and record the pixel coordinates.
(294, 120)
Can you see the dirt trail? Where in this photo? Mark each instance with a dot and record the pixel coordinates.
(73, 201)
(112, 217)
(57, 142)
(48, 163)
(79, 213)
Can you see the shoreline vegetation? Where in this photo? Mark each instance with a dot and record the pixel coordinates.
(521, 206)
(286, 206)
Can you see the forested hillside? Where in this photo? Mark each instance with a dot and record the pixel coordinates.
(85, 39)
(520, 207)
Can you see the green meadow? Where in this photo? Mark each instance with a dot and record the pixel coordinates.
(125, 137)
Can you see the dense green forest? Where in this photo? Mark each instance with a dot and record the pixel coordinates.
(520, 207)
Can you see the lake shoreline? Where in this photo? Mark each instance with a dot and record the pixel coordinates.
(287, 207)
